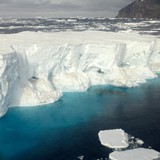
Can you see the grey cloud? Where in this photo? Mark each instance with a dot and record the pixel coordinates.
(51, 8)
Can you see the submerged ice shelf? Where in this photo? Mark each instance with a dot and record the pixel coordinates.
(36, 68)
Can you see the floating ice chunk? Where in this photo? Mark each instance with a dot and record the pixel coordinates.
(81, 157)
(135, 154)
(115, 138)
(139, 141)
(135, 142)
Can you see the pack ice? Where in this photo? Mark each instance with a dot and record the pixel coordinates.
(36, 68)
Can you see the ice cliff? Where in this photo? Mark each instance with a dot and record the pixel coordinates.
(36, 68)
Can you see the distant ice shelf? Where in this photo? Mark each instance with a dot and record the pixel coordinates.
(36, 68)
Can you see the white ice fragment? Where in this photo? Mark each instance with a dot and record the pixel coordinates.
(135, 154)
(139, 141)
(115, 138)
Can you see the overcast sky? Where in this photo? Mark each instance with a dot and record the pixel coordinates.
(61, 8)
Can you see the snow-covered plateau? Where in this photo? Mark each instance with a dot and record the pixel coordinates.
(36, 68)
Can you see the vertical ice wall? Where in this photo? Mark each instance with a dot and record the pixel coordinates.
(34, 74)
(8, 78)
(34, 68)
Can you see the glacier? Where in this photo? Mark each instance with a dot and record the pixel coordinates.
(36, 67)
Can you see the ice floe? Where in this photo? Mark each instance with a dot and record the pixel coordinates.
(135, 154)
(115, 138)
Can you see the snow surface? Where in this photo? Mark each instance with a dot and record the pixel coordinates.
(36, 68)
(135, 154)
(115, 138)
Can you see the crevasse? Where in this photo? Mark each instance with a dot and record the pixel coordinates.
(34, 73)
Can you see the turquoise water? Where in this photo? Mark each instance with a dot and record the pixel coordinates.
(69, 128)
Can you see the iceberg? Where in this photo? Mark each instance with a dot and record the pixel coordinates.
(36, 67)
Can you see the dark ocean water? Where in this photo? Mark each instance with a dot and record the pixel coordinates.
(69, 128)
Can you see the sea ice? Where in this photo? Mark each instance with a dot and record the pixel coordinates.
(115, 138)
(139, 141)
(118, 139)
(135, 154)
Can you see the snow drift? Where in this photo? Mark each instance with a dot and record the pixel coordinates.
(36, 68)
